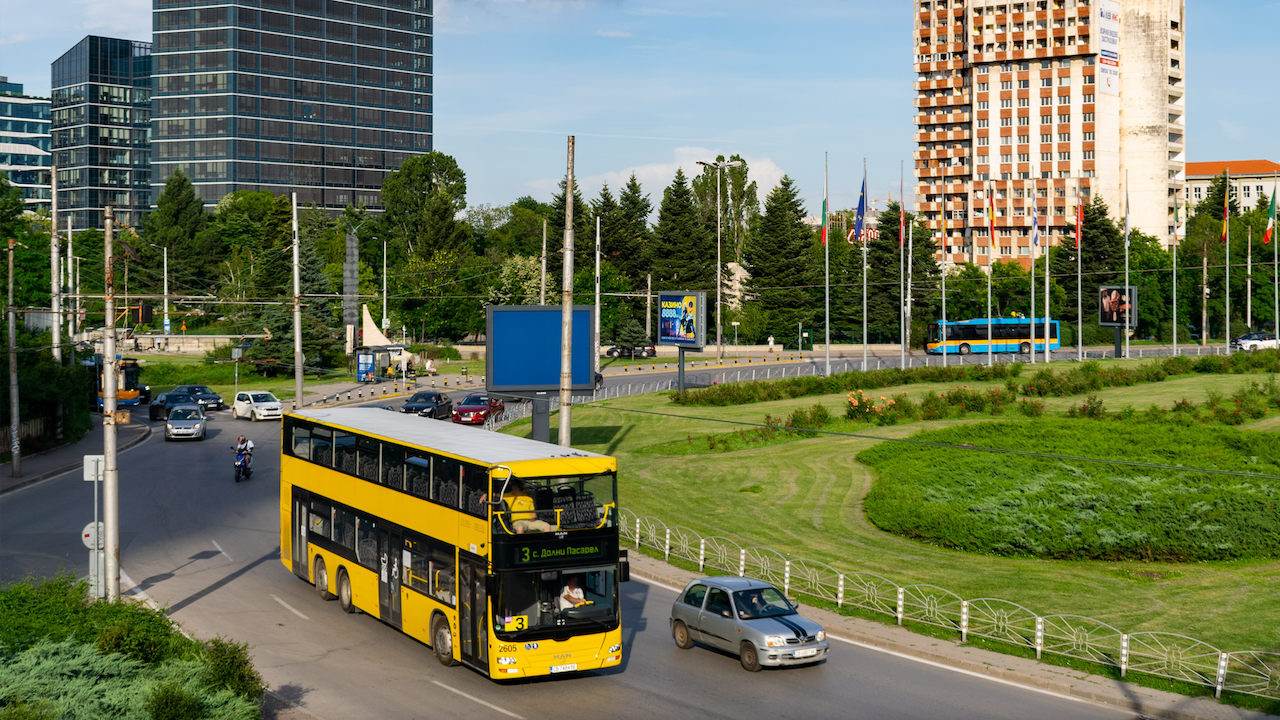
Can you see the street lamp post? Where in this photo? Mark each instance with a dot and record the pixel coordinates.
(719, 165)
(165, 250)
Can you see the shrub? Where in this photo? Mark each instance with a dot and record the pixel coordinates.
(1031, 408)
(170, 701)
(229, 667)
(815, 416)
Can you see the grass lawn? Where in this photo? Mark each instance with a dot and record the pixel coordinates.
(804, 498)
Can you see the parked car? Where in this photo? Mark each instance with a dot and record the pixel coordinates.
(475, 409)
(205, 398)
(256, 406)
(185, 421)
(749, 618)
(165, 402)
(429, 404)
(1255, 341)
(646, 351)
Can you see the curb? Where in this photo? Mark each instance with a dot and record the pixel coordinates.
(1120, 699)
(141, 438)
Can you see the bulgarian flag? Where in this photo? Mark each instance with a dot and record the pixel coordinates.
(1080, 217)
(1226, 207)
(1271, 219)
(824, 211)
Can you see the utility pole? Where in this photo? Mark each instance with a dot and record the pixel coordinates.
(15, 445)
(297, 312)
(71, 283)
(542, 299)
(648, 308)
(110, 467)
(1204, 296)
(566, 311)
(595, 348)
(55, 283)
(386, 324)
(166, 294)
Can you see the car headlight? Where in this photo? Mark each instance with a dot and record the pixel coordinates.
(775, 641)
(197, 427)
(169, 425)
(822, 635)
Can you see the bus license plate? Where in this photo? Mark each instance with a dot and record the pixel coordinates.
(808, 652)
(564, 668)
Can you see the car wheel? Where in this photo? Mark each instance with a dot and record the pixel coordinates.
(234, 416)
(749, 657)
(442, 641)
(322, 580)
(344, 592)
(681, 633)
(166, 437)
(253, 415)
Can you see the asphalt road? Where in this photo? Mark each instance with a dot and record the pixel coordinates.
(207, 548)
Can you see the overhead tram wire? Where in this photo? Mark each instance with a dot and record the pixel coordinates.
(961, 446)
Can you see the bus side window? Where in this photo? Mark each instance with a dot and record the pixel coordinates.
(321, 447)
(344, 528)
(441, 568)
(366, 543)
(367, 459)
(344, 445)
(475, 484)
(301, 446)
(418, 572)
(445, 474)
(321, 520)
(393, 466)
(417, 473)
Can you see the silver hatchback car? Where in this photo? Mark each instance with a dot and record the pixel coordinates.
(747, 617)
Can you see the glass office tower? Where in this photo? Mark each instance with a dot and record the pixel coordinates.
(101, 130)
(24, 143)
(320, 97)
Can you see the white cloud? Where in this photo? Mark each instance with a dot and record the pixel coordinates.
(14, 39)
(613, 33)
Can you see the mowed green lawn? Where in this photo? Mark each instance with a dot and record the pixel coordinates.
(810, 505)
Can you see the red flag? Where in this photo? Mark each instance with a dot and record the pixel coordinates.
(1226, 207)
(902, 226)
(1079, 220)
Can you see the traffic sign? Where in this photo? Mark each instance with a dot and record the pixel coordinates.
(236, 353)
(91, 535)
(93, 467)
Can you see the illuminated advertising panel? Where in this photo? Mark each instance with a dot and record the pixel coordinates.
(682, 319)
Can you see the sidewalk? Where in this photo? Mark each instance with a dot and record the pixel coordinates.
(71, 457)
(1147, 702)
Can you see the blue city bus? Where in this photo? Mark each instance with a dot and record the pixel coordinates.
(1008, 335)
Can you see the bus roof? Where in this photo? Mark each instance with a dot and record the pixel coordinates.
(482, 446)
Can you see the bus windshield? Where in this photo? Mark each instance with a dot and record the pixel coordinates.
(551, 504)
(543, 600)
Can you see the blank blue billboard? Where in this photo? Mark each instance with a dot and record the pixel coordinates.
(522, 348)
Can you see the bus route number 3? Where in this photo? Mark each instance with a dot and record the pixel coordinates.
(513, 623)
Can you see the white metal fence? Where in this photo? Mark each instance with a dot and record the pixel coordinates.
(1166, 655)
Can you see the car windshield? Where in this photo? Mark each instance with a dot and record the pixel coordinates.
(476, 400)
(423, 397)
(263, 397)
(178, 398)
(200, 389)
(532, 601)
(184, 414)
(761, 603)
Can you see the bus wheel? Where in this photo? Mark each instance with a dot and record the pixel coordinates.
(322, 580)
(1025, 348)
(964, 349)
(442, 640)
(344, 591)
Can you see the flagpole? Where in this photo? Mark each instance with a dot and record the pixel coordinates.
(1079, 278)
(991, 245)
(1248, 280)
(902, 298)
(826, 256)
(1275, 262)
(1226, 233)
(1175, 273)
(1032, 275)
(1047, 351)
(911, 258)
(863, 238)
(1128, 321)
(942, 328)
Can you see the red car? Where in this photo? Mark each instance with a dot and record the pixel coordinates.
(475, 409)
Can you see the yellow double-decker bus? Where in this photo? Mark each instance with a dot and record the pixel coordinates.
(499, 552)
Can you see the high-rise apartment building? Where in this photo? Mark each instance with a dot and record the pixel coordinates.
(1025, 106)
(321, 97)
(24, 143)
(101, 91)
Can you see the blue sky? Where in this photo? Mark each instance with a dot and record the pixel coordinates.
(649, 86)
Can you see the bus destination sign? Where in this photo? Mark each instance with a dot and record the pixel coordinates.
(530, 550)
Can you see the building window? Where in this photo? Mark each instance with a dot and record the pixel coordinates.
(1088, 98)
(1006, 122)
(1046, 157)
(1065, 80)
(1024, 84)
(1064, 99)
(1024, 157)
(982, 104)
(1064, 137)
(982, 141)
(1006, 104)
(983, 87)
(1024, 102)
(1046, 82)
(1064, 119)
(1006, 158)
(1088, 137)
(982, 123)
(1046, 101)
(1064, 156)
(1088, 154)
(1088, 117)
(1024, 120)
(1046, 119)
(1006, 84)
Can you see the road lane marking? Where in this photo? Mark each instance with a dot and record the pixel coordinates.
(473, 698)
(290, 608)
(942, 666)
(224, 552)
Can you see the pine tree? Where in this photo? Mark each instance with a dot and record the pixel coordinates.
(1101, 260)
(780, 257)
(681, 252)
(177, 224)
(584, 235)
(634, 208)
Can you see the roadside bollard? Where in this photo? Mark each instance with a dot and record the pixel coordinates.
(433, 382)
(446, 382)
(384, 389)
(348, 396)
(295, 404)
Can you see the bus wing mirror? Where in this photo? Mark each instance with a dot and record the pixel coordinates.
(624, 566)
(491, 585)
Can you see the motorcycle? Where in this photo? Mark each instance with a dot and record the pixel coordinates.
(243, 465)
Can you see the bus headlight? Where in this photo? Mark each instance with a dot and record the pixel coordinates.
(615, 648)
(506, 661)
(775, 641)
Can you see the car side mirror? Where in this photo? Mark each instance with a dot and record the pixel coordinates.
(727, 613)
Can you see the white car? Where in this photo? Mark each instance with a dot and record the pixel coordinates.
(256, 406)
(1255, 341)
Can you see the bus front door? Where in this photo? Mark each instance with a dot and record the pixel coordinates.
(473, 611)
(298, 544)
(390, 550)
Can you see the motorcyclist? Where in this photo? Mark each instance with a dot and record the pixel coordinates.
(245, 447)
